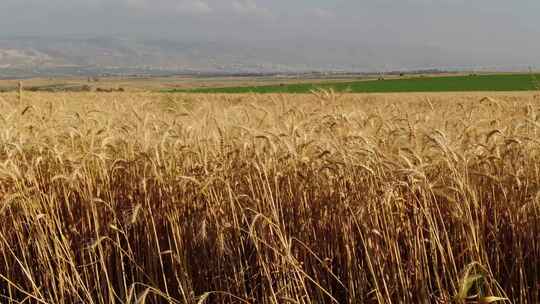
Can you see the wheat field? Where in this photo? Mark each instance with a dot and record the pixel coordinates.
(318, 198)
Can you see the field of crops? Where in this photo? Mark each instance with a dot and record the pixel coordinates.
(494, 82)
(318, 198)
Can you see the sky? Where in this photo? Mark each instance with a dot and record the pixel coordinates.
(498, 28)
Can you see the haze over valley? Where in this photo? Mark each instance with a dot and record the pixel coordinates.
(257, 36)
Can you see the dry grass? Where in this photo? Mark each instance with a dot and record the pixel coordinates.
(156, 84)
(134, 198)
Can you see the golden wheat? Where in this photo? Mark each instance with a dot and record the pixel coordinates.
(155, 198)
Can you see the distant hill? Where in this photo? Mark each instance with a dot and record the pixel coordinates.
(29, 56)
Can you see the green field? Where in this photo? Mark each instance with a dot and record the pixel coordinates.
(493, 82)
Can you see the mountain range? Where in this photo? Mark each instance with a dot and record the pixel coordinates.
(34, 55)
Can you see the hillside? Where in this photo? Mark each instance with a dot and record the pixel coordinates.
(67, 55)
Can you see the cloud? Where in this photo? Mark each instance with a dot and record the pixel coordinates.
(321, 13)
(193, 7)
(249, 7)
(190, 7)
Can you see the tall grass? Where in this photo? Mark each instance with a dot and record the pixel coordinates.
(269, 199)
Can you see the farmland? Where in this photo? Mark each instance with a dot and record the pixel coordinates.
(298, 84)
(248, 198)
(158, 84)
(489, 82)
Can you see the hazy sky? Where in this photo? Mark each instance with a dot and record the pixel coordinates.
(497, 26)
